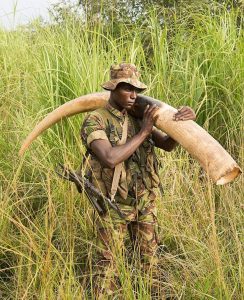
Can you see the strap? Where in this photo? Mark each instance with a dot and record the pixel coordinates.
(118, 167)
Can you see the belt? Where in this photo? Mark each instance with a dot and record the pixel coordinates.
(128, 201)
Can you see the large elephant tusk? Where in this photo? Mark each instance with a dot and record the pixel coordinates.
(218, 164)
(82, 104)
(213, 158)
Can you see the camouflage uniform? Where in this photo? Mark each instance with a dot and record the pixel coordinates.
(137, 189)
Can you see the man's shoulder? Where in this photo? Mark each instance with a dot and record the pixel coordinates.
(100, 117)
(99, 112)
(95, 114)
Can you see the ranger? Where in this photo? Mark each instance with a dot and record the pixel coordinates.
(124, 167)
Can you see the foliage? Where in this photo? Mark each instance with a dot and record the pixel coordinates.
(46, 242)
(117, 11)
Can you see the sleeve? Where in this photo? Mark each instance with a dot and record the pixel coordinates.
(93, 128)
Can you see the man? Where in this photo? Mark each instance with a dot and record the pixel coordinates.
(116, 140)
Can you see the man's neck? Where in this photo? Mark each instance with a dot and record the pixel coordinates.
(114, 104)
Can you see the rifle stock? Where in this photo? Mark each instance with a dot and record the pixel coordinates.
(97, 199)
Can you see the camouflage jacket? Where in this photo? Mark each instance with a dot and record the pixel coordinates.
(140, 170)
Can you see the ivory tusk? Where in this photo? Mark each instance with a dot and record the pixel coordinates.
(213, 158)
(218, 164)
(82, 104)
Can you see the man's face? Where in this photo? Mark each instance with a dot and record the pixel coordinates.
(125, 95)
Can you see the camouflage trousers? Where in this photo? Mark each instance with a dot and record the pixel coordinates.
(141, 224)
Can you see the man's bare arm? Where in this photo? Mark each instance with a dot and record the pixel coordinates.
(163, 141)
(111, 156)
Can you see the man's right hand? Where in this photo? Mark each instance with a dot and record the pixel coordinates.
(149, 118)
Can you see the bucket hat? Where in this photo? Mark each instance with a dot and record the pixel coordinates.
(123, 72)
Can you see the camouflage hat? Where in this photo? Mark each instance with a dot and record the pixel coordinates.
(123, 72)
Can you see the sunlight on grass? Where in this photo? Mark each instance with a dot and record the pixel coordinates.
(47, 243)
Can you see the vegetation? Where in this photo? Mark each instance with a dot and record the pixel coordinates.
(47, 244)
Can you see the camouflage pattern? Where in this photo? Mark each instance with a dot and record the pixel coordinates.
(139, 172)
(141, 225)
(137, 191)
(124, 72)
(141, 220)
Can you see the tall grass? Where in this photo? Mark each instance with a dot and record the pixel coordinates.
(47, 244)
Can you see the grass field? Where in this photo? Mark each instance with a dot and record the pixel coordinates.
(46, 237)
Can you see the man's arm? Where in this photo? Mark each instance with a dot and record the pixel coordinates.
(111, 156)
(164, 141)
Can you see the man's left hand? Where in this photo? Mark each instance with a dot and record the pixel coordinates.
(185, 113)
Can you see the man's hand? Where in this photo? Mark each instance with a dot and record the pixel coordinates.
(149, 118)
(185, 113)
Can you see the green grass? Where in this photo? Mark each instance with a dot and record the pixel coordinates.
(47, 245)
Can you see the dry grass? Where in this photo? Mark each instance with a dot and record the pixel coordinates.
(46, 240)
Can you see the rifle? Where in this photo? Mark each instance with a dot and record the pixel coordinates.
(97, 199)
